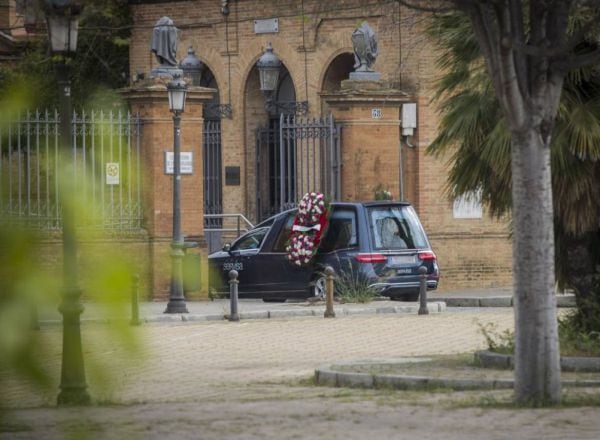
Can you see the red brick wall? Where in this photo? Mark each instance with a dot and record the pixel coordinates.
(472, 253)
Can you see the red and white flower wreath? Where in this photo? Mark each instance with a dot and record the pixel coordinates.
(309, 226)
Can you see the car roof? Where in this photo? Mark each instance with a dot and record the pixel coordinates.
(340, 204)
(372, 203)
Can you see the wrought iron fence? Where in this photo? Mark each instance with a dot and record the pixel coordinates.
(106, 161)
(293, 156)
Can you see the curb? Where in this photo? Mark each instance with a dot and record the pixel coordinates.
(499, 301)
(490, 359)
(328, 377)
(340, 310)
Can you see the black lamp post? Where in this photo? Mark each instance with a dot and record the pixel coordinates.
(177, 90)
(62, 20)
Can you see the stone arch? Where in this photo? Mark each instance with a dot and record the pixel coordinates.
(211, 59)
(210, 80)
(252, 107)
(337, 68)
(285, 52)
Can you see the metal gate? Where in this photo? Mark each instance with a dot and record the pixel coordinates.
(295, 156)
(213, 195)
(106, 161)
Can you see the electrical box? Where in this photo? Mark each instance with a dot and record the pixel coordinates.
(409, 118)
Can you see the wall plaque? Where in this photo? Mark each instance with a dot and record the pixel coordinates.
(268, 26)
(186, 162)
(112, 173)
(232, 175)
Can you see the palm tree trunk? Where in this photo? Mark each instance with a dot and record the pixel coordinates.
(537, 359)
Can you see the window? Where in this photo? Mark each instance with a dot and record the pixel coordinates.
(396, 227)
(284, 234)
(252, 240)
(468, 205)
(341, 233)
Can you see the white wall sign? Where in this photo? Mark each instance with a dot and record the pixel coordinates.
(376, 113)
(112, 173)
(268, 26)
(186, 160)
(468, 206)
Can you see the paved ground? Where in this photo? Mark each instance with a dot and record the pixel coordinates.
(252, 380)
(248, 308)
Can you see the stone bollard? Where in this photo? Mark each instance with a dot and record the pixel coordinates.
(329, 313)
(135, 299)
(423, 310)
(233, 295)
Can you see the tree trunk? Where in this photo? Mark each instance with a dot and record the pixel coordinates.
(537, 359)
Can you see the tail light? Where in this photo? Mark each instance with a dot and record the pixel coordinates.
(370, 258)
(427, 256)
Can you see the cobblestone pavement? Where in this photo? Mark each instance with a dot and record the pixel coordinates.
(249, 380)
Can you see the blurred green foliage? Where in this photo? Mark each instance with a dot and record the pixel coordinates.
(31, 285)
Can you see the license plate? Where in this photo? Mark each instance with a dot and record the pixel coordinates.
(399, 260)
(230, 265)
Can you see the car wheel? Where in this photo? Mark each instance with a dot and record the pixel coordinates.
(411, 297)
(318, 289)
(273, 300)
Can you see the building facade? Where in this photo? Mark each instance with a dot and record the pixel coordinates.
(245, 157)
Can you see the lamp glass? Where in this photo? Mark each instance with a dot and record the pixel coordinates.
(63, 33)
(177, 99)
(269, 76)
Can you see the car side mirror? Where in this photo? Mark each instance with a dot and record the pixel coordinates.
(227, 247)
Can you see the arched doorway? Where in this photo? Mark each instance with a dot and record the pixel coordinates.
(275, 168)
(212, 163)
(338, 70)
(293, 154)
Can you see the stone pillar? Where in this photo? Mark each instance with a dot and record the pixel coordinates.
(370, 113)
(151, 103)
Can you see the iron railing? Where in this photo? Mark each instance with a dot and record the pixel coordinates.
(295, 156)
(106, 161)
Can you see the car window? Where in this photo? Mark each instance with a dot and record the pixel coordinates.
(251, 240)
(341, 233)
(395, 227)
(284, 234)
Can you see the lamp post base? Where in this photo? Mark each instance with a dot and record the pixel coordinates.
(73, 397)
(176, 306)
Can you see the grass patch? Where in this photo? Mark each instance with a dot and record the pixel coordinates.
(352, 286)
(503, 399)
(462, 366)
(573, 341)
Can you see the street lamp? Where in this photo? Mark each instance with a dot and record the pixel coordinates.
(269, 66)
(177, 90)
(62, 19)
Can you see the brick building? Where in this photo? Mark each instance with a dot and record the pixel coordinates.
(18, 22)
(249, 174)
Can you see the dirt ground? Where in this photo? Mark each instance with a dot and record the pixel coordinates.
(278, 411)
(253, 380)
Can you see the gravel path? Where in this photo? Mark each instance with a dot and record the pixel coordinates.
(251, 380)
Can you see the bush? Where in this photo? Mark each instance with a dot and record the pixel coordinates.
(352, 286)
(572, 339)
